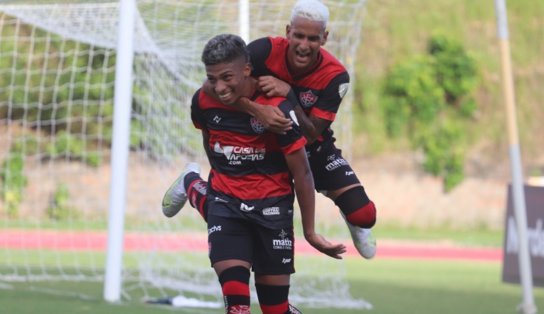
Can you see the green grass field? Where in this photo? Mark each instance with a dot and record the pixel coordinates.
(392, 286)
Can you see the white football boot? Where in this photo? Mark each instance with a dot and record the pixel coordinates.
(176, 196)
(363, 239)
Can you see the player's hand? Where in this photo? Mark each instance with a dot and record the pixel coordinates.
(324, 246)
(273, 119)
(273, 87)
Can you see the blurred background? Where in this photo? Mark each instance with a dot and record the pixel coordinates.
(423, 125)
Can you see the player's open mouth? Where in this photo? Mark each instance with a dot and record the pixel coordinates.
(302, 57)
(225, 97)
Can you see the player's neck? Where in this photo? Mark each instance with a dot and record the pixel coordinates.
(250, 88)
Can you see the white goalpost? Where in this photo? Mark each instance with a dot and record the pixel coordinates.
(120, 150)
(95, 125)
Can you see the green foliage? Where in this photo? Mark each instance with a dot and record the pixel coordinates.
(67, 145)
(455, 70)
(14, 182)
(444, 154)
(27, 145)
(58, 85)
(427, 98)
(62, 86)
(58, 206)
(414, 95)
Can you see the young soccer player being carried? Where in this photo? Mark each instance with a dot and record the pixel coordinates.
(248, 200)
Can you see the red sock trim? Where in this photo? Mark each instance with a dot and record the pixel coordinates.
(196, 198)
(364, 217)
(235, 288)
(281, 308)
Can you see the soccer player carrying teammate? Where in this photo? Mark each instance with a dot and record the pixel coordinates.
(297, 67)
(249, 196)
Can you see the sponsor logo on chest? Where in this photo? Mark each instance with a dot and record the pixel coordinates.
(237, 154)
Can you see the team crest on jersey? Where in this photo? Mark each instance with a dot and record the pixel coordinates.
(307, 98)
(256, 125)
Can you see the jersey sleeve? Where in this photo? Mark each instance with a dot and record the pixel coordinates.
(196, 111)
(329, 101)
(293, 139)
(259, 50)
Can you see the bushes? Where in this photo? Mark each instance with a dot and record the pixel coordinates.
(13, 182)
(67, 145)
(429, 99)
(58, 206)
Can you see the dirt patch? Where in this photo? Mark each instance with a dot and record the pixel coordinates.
(404, 195)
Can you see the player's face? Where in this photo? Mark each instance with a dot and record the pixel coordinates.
(305, 38)
(229, 80)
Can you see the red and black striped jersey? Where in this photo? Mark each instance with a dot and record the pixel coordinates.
(319, 91)
(247, 162)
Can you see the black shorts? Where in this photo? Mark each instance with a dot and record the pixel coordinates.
(269, 251)
(330, 170)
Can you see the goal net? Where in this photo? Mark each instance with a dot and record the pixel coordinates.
(57, 73)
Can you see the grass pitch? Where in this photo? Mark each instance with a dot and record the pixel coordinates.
(391, 286)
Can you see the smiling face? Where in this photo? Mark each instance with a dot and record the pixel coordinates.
(230, 80)
(305, 39)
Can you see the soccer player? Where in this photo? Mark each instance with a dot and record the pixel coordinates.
(249, 195)
(297, 67)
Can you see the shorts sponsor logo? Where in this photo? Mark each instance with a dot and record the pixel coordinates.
(283, 243)
(214, 229)
(246, 208)
(286, 260)
(349, 173)
(335, 164)
(220, 200)
(271, 211)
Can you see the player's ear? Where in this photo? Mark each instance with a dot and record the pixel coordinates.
(287, 29)
(247, 70)
(324, 39)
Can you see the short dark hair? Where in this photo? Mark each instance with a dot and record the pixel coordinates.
(224, 48)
